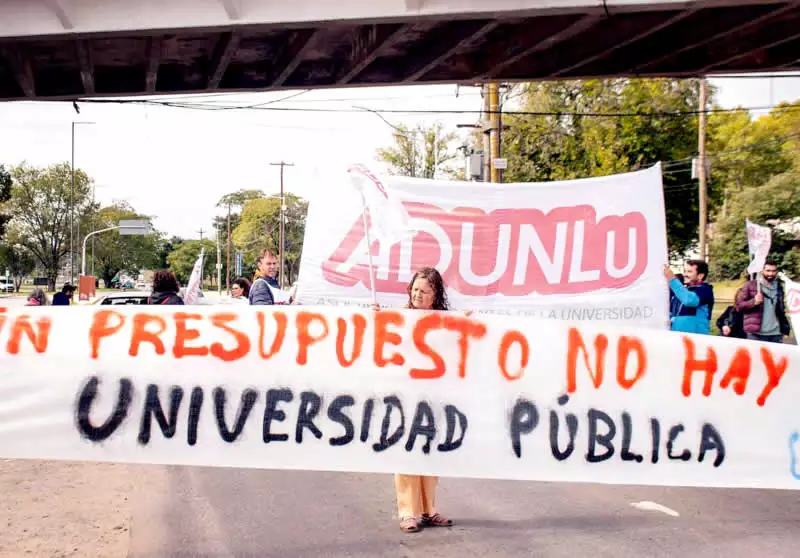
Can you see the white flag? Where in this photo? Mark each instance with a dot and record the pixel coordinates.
(759, 240)
(388, 218)
(792, 303)
(193, 287)
(279, 296)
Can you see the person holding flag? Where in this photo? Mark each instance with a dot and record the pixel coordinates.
(761, 300)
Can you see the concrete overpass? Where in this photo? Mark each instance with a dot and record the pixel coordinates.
(65, 49)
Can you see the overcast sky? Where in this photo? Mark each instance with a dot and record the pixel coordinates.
(174, 164)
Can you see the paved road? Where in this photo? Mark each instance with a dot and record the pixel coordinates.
(216, 512)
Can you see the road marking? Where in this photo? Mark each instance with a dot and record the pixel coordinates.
(652, 506)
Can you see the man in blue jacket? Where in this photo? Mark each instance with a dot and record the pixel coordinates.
(260, 293)
(694, 299)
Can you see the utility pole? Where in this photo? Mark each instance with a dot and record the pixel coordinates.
(281, 240)
(219, 264)
(487, 158)
(94, 227)
(494, 130)
(701, 168)
(201, 231)
(72, 215)
(228, 253)
(72, 244)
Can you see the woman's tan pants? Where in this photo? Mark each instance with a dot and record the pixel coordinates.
(416, 495)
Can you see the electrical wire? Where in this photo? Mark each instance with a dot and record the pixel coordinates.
(261, 106)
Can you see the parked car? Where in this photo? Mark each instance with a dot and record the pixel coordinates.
(139, 297)
(126, 297)
(6, 287)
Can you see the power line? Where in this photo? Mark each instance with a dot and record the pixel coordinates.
(337, 99)
(652, 114)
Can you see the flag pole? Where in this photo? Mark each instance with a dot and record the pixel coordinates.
(369, 250)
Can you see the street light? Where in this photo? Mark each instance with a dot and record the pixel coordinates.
(125, 227)
(72, 208)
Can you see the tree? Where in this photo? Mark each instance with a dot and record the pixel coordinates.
(114, 252)
(233, 203)
(776, 204)
(259, 230)
(422, 151)
(757, 164)
(40, 209)
(181, 260)
(165, 247)
(5, 195)
(744, 153)
(19, 262)
(565, 143)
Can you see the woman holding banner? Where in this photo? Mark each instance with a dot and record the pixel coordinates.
(416, 494)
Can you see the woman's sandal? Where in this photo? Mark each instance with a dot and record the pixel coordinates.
(436, 520)
(410, 525)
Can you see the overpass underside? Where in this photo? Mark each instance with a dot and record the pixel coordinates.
(53, 52)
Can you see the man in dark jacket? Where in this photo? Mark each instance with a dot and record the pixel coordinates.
(260, 292)
(64, 298)
(761, 301)
(731, 324)
(695, 300)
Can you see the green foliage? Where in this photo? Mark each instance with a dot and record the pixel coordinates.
(775, 203)
(5, 195)
(233, 203)
(259, 230)
(424, 151)
(566, 145)
(756, 164)
(181, 260)
(40, 208)
(114, 252)
(19, 262)
(165, 247)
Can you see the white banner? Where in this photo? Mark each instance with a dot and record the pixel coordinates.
(397, 391)
(759, 240)
(193, 287)
(590, 250)
(792, 303)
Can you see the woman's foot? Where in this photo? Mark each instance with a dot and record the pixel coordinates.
(436, 520)
(410, 525)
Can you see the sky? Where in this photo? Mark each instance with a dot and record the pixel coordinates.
(175, 164)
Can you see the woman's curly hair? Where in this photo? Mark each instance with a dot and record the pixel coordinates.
(165, 282)
(435, 279)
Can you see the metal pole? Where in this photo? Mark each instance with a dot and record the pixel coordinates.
(72, 215)
(92, 235)
(494, 131)
(228, 257)
(280, 280)
(219, 265)
(282, 164)
(487, 156)
(701, 170)
(93, 226)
